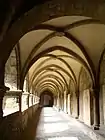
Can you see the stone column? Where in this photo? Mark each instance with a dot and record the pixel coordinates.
(32, 104)
(55, 101)
(20, 103)
(32, 99)
(58, 103)
(77, 96)
(95, 93)
(77, 106)
(68, 103)
(101, 101)
(28, 100)
(3, 89)
(65, 101)
(61, 101)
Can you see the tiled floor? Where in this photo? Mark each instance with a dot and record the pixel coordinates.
(55, 126)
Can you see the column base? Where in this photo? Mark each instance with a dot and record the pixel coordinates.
(96, 127)
(58, 109)
(76, 117)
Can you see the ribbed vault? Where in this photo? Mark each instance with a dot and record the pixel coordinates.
(55, 51)
(59, 49)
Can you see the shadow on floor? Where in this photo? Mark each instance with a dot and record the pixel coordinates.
(30, 132)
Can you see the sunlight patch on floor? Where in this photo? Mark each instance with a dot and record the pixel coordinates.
(55, 127)
(63, 138)
(52, 119)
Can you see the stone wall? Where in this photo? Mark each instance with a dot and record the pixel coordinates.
(11, 71)
(12, 126)
(86, 111)
(102, 91)
(85, 81)
(86, 107)
(73, 100)
(26, 84)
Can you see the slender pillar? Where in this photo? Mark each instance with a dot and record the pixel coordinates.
(1, 103)
(54, 101)
(32, 104)
(77, 96)
(77, 106)
(96, 108)
(69, 104)
(65, 101)
(20, 103)
(61, 102)
(58, 103)
(32, 99)
(28, 100)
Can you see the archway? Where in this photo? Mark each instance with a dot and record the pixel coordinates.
(46, 99)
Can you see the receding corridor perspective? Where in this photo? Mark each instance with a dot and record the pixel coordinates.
(52, 70)
(55, 125)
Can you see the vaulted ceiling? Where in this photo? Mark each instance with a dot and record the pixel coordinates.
(11, 10)
(55, 51)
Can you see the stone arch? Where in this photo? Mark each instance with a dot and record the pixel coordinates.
(53, 57)
(49, 80)
(42, 84)
(50, 50)
(50, 10)
(59, 79)
(47, 85)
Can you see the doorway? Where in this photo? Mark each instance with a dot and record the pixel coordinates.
(46, 99)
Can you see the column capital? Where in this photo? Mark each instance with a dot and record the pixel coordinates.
(94, 91)
(3, 89)
(77, 94)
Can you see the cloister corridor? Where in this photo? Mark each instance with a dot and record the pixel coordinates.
(54, 125)
(52, 70)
